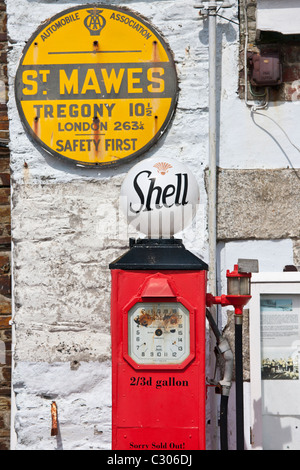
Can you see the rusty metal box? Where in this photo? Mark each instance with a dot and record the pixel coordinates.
(265, 69)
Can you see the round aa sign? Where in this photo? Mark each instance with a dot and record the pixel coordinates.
(159, 197)
(96, 85)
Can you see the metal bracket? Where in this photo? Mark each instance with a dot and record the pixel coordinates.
(211, 5)
(210, 8)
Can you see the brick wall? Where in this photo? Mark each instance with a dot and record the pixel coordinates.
(288, 46)
(5, 240)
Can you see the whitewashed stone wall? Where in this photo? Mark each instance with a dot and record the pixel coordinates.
(66, 231)
(66, 226)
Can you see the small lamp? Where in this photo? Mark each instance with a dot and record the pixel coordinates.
(238, 288)
(238, 291)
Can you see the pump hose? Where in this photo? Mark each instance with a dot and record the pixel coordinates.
(213, 325)
(224, 397)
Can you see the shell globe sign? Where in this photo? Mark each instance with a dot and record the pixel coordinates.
(96, 85)
(159, 197)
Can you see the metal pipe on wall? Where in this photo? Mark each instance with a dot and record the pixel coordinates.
(212, 9)
(212, 179)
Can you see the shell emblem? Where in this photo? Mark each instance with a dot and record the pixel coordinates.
(162, 167)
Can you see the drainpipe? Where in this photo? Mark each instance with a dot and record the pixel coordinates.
(212, 179)
(224, 385)
(212, 197)
(211, 11)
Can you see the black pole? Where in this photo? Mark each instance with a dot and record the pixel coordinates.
(239, 382)
(223, 422)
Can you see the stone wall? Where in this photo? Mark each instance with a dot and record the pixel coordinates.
(258, 204)
(5, 251)
(265, 42)
(66, 229)
(66, 226)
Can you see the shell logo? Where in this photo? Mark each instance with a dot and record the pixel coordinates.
(162, 167)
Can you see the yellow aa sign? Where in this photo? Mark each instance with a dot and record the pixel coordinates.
(96, 85)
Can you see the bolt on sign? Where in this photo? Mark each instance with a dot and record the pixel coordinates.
(96, 85)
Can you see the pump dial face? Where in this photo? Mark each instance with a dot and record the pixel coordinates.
(158, 333)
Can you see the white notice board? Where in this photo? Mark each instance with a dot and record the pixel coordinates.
(274, 361)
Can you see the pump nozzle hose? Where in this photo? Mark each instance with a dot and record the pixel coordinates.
(224, 384)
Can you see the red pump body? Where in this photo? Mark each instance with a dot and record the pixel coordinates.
(158, 348)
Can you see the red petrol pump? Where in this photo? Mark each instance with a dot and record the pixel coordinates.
(159, 306)
(158, 347)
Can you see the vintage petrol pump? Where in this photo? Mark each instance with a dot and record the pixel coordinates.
(158, 309)
(158, 347)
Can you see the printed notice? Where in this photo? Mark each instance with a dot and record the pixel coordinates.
(280, 338)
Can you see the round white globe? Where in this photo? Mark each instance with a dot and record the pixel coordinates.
(159, 197)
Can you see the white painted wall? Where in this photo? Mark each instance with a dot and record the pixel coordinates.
(271, 16)
(66, 228)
